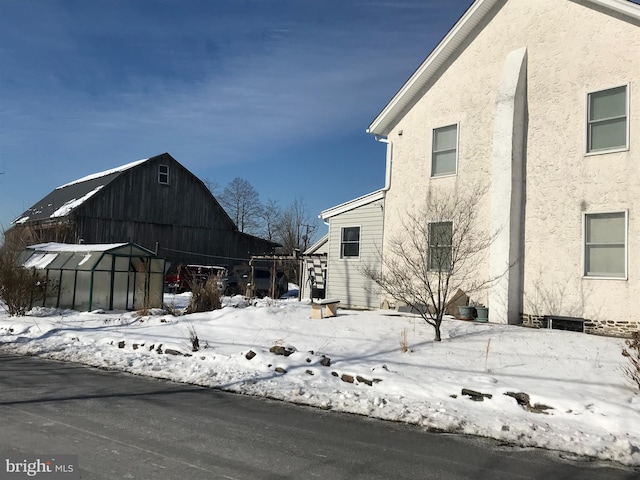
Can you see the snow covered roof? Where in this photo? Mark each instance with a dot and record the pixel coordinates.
(65, 198)
(75, 248)
(93, 176)
(83, 256)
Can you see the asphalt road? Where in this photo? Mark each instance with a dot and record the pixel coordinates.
(127, 427)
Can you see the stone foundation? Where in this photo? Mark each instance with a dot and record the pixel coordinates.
(532, 321)
(609, 328)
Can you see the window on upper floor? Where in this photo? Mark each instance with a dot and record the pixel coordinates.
(607, 120)
(440, 245)
(444, 151)
(605, 245)
(163, 174)
(350, 242)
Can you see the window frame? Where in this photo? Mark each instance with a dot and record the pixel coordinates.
(585, 274)
(588, 123)
(430, 247)
(343, 242)
(434, 152)
(163, 174)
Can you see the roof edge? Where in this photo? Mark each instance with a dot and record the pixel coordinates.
(313, 248)
(625, 7)
(474, 14)
(104, 173)
(464, 27)
(352, 204)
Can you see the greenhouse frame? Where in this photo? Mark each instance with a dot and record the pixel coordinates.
(85, 277)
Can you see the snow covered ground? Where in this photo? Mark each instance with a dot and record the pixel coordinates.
(355, 363)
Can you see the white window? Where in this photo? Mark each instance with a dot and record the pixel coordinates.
(444, 151)
(163, 174)
(605, 245)
(439, 251)
(350, 243)
(607, 124)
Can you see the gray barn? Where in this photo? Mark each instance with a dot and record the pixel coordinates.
(155, 203)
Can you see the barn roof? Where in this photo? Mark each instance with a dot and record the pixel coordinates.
(65, 198)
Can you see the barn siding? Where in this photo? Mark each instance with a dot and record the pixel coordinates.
(182, 216)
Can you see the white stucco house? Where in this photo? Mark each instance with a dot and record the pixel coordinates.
(538, 101)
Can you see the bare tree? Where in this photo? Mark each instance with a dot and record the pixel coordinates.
(242, 203)
(295, 228)
(211, 185)
(271, 216)
(434, 255)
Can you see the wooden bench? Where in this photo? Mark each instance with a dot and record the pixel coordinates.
(324, 308)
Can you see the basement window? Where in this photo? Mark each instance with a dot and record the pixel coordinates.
(571, 324)
(163, 174)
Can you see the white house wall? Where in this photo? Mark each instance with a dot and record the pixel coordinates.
(345, 279)
(571, 50)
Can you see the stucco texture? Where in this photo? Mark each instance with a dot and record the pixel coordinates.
(572, 49)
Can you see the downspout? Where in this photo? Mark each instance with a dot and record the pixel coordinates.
(387, 186)
(387, 176)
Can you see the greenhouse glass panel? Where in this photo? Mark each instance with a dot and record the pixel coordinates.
(83, 284)
(122, 264)
(60, 262)
(89, 261)
(121, 291)
(156, 285)
(101, 291)
(39, 260)
(66, 287)
(104, 263)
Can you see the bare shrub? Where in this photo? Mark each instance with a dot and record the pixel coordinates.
(632, 369)
(205, 297)
(193, 339)
(18, 286)
(171, 309)
(434, 255)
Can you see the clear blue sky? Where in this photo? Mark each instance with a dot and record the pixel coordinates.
(277, 92)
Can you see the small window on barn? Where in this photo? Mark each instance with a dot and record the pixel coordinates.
(163, 174)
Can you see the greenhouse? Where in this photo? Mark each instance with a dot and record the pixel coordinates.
(119, 276)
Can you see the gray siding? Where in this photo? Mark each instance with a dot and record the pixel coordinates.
(345, 279)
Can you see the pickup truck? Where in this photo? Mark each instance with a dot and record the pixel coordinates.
(238, 282)
(184, 277)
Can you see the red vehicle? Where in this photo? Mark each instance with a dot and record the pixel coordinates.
(184, 277)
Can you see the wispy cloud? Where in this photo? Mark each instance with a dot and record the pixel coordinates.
(222, 82)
